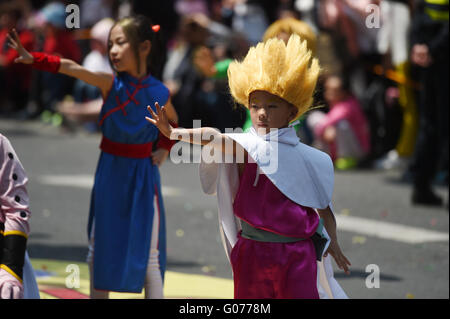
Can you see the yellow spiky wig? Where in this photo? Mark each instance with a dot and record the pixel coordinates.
(292, 26)
(286, 70)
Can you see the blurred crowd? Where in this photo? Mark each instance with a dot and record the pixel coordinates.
(381, 101)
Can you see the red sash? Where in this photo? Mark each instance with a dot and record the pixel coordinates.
(126, 150)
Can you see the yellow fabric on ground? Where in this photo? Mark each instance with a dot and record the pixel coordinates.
(176, 286)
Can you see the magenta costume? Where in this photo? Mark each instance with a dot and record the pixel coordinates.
(271, 232)
(273, 269)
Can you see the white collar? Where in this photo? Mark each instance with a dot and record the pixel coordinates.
(286, 135)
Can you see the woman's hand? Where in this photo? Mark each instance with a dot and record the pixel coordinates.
(339, 258)
(14, 42)
(160, 120)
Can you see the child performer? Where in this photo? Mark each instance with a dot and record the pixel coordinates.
(343, 132)
(277, 236)
(17, 279)
(127, 212)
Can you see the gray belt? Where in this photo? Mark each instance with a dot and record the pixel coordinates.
(318, 238)
(253, 233)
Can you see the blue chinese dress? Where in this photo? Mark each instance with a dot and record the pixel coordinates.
(127, 187)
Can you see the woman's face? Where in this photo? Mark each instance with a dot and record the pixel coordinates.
(269, 111)
(333, 90)
(284, 36)
(120, 51)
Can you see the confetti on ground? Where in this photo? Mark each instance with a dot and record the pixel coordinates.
(359, 240)
(205, 269)
(384, 214)
(179, 233)
(345, 212)
(208, 214)
(209, 269)
(433, 222)
(40, 273)
(409, 296)
(46, 213)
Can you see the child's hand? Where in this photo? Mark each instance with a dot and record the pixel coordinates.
(159, 156)
(160, 120)
(10, 286)
(338, 256)
(14, 42)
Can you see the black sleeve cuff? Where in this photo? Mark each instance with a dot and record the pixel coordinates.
(13, 258)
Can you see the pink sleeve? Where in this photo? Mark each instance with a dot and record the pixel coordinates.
(337, 113)
(14, 202)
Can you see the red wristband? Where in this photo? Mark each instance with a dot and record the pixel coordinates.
(164, 142)
(46, 62)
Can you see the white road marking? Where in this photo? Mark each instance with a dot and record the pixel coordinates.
(87, 181)
(391, 231)
(364, 226)
(80, 181)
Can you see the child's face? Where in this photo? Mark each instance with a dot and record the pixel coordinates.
(269, 111)
(120, 51)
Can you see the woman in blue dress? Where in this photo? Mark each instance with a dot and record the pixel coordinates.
(126, 213)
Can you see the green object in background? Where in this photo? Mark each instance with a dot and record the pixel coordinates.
(46, 117)
(300, 123)
(222, 68)
(345, 163)
(57, 119)
(248, 121)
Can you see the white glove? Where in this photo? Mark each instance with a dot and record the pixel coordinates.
(10, 286)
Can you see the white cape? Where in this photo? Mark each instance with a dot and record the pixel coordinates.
(302, 173)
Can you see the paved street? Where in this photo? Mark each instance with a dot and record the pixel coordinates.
(376, 222)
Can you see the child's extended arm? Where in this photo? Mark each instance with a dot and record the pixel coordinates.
(334, 249)
(101, 80)
(201, 135)
(55, 64)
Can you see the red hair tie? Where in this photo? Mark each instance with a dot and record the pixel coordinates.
(156, 27)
